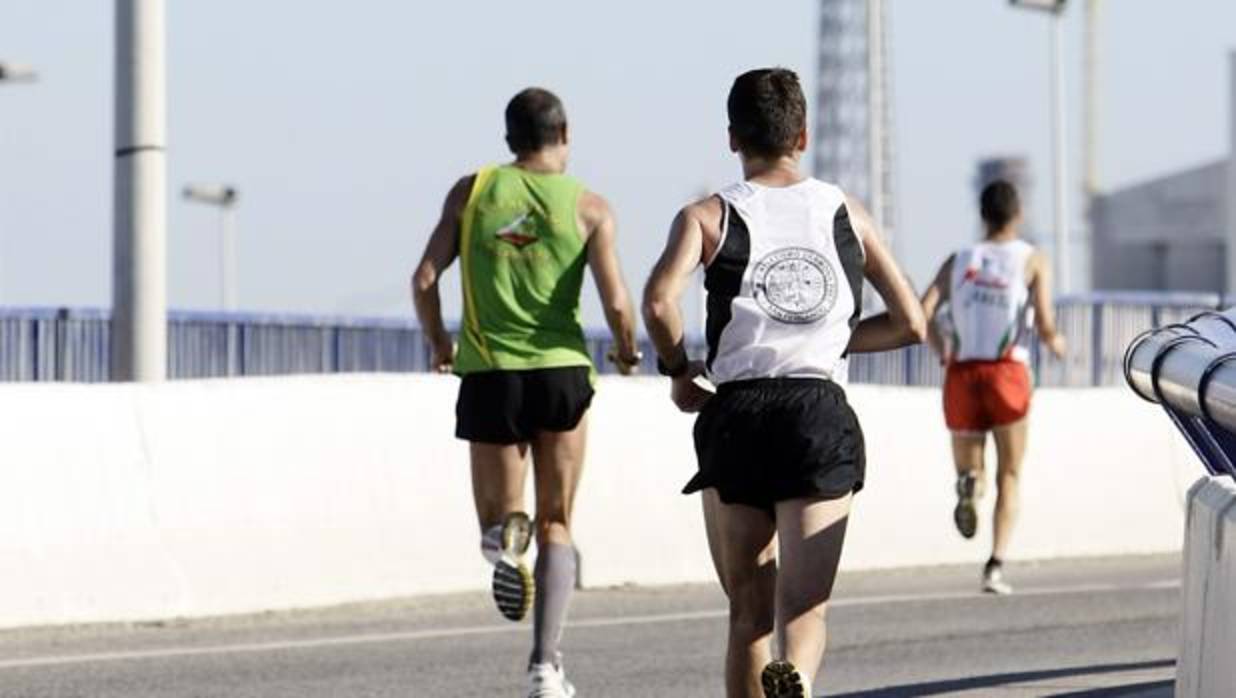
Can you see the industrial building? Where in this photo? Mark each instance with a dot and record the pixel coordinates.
(1173, 233)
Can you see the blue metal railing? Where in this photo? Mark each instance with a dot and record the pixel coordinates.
(48, 344)
(1189, 369)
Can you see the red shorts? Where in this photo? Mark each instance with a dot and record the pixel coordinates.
(982, 395)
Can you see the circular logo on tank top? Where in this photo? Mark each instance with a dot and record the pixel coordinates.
(795, 285)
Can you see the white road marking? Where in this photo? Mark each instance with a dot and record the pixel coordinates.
(446, 633)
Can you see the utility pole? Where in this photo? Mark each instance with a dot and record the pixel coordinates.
(1092, 97)
(1059, 130)
(1059, 136)
(139, 252)
(1093, 45)
(877, 132)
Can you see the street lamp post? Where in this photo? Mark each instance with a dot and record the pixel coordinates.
(139, 250)
(224, 197)
(1059, 124)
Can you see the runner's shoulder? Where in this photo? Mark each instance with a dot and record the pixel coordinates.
(459, 192)
(594, 209)
(707, 212)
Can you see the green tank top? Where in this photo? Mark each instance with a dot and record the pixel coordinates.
(522, 260)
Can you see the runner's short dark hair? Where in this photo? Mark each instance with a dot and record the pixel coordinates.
(767, 111)
(535, 118)
(999, 204)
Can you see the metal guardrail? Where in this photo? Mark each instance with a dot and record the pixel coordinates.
(47, 344)
(1190, 370)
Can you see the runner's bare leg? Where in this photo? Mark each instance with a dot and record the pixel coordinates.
(498, 476)
(745, 557)
(1010, 452)
(558, 461)
(811, 533)
(968, 456)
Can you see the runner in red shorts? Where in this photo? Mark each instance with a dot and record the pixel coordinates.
(990, 289)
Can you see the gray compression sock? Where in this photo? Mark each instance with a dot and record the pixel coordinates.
(555, 580)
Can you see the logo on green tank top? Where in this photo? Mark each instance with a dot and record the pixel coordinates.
(519, 232)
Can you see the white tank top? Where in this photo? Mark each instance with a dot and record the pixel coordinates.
(989, 302)
(784, 285)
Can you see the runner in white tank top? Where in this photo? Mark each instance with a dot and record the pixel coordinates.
(989, 300)
(785, 284)
(780, 451)
(991, 290)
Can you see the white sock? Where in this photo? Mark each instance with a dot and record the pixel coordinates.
(491, 544)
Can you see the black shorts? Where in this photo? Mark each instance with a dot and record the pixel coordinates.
(763, 441)
(510, 407)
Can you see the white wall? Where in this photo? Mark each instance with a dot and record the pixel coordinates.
(1208, 627)
(122, 502)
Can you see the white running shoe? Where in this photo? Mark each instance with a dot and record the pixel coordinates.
(548, 681)
(993, 582)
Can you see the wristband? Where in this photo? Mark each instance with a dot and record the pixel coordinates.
(676, 371)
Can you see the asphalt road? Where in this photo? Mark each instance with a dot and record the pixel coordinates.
(1096, 628)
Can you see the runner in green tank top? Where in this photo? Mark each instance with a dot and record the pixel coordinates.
(524, 233)
(522, 255)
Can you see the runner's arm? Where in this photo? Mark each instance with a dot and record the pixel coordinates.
(1044, 308)
(603, 260)
(662, 315)
(903, 323)
(440, 252)
(933, 298)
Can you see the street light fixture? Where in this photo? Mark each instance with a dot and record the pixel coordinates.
(1046, 5)
(225, 198)
(17, 72)
(1059, 138)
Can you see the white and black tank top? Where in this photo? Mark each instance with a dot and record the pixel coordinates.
(989, 302)
(784, 285)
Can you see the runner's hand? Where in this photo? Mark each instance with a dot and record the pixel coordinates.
(1058, 346)
(443, 356)
(686, 393)
(625, 366)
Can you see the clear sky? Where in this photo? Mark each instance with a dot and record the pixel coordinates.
(343, 124)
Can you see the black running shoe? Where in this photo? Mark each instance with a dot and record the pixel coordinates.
(781, 680)
(965, 515)
(513, 585)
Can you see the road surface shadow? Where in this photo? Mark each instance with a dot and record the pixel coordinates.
(935, 688)
(1147, 689)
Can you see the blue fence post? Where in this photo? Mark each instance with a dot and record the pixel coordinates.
(60, 337)
(1096, 344)
(35, 363)
(335, 343)
(242, 332)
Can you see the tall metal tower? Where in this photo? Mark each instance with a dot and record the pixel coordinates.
(853, 115)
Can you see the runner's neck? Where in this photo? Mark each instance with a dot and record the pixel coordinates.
(772, 172)
(1006, 234)
(548, 160)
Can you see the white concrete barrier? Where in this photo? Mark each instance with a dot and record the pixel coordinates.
(1208, 623)
(123, 502)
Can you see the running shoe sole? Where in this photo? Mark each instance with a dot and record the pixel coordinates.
(782, 680)
(513, 588)
(965, 515)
